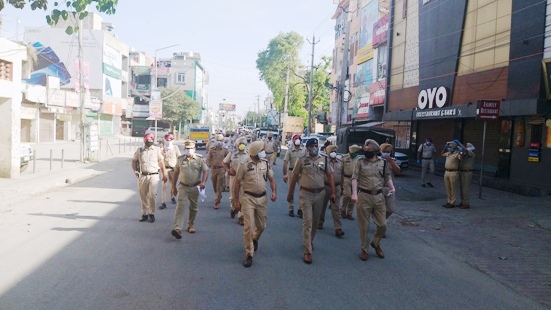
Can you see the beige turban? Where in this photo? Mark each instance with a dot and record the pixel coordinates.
(354, 148)
(373, 145)
(386, 147)
(256, 147)
(330, 148)
(240, 140)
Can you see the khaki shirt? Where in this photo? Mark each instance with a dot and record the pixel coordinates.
(216, 156)
(269, 146)
(348, 164)
(372, 175)
(171, 156)
(234, 159)
(452, 160)
(311, 172)
(336, 165)
(149, 159)
(191, 169)
(467, 161)
(292, 155)
(253, 175)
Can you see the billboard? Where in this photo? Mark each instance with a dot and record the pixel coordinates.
(226, 107)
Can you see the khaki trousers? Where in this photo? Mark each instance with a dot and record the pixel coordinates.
(371, 205)
(186, 194)
(291, 204)
(310, 204)
(466, 178)
(347, 206)
(239, 214)
(217, 178)
(450, 180)
(390, 202)
(167, 185)
(335, 210)
(255, 212)
(147, 189)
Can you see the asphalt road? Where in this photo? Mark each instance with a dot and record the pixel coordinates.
(83, 247)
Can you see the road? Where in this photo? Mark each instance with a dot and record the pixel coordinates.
(82, 247)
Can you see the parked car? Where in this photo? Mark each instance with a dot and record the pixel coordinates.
(402, 160)
(161, 132)
(26, 155)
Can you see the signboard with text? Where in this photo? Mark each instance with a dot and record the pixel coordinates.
(488, 109)
(226, 107)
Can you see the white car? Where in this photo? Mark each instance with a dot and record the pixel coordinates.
(402, 160)
(26, 155)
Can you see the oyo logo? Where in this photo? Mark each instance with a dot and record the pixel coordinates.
(429, 97)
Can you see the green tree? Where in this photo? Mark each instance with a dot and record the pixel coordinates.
(64, 9)
(178, 106)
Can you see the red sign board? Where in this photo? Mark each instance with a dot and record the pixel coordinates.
(488, 109)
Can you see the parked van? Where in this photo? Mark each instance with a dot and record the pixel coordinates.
(358, 134)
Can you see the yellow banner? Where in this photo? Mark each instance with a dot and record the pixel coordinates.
(365, 54)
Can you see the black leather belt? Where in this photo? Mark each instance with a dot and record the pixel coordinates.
(313, 191)
(255, 195)
(191, 185)
(217, 167)
(290, 169)
(452, 170)
(427, 158)
(377, 192)
(347, 176)
(269, 152)
(147, 173)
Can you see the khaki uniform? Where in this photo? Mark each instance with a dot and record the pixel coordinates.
(451, 176)
(233, 160)
(171, 156)
(427, 161)
(252, 178)
(336, 165)
(466, 175)
(291, 156)
(150, 160)
(270, 147)
(348, 164)
(311, 175)
(191, 172)
(371, 176)
(215, 159)
(390, 201)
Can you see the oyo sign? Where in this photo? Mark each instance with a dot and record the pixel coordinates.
(433, 96)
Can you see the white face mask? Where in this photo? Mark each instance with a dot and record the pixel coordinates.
(168, 144)
(333, 154)
(189, 152)
(297, 142)
(262, 154)
(470, 149)
(385, 154)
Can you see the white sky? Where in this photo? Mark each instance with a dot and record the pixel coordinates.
(227, 34)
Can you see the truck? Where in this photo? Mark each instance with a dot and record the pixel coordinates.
(293, 125)
(358, 134)
(200, 134)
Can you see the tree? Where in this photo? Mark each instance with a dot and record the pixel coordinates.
(178, 106)
(65, 9)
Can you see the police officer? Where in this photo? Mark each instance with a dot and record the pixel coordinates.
(270, 148)
(466, 175)
(370, 175)
(215, 159)
(425, 157)
(348, 163)
(289, 162)
(171, 154)
(390, 198)
(251, 177)
(150, 161)
(336, 165)
(451, 176)
(310, 171)
(231, 162)
(191, 171)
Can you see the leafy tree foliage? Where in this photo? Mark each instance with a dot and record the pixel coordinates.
(178, 106)
(65, 9)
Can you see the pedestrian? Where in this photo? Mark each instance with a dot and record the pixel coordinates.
(466, 175)
(228, 145)
(451, 176)
(190, 175)
(270, 148)
(370, 175)
(390, 197)
(348, 164)
(310, 171)
(231, 162)
(336, 165)
(171, 153)
(425, 157)
(215, 159)
(277, 148)
(249, 190)
(146, 163)
(289, 162)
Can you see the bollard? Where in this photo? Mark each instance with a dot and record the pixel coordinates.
(34, 161)
(51, 158)
(62, 157)
(106, 148)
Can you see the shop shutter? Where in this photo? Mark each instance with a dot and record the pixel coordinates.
(473, 132)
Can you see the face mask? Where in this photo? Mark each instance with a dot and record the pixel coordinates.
(353, 155)
(241, 147)
(148, 143)
(370, 154)
(262, 154)
(189, 152)
(385, 154)
(428, 143)
(470, 149)
(168, 144)
(219, 143)
(248, 140)
(314, 151)
(297, 142)
(333, 154)
(270, 138)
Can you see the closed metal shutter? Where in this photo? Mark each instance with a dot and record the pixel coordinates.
(441, 131)
(26, 130)
(473, 132)
(106, 125)
(46, 127)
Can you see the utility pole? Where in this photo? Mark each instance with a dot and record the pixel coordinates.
(81, 94)
(311, 86)
(344, 71)
(285, 107)
(258, 118)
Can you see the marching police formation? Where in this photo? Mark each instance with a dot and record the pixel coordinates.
(361, 179)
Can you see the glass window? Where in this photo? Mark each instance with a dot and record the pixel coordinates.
(381, 61)
(181, 78)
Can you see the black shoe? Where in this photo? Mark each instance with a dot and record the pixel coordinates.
(177, 233)
(423, 185)
(152, 218)
(448, 206)
(173, 200)
(163, 206)
(143, 218)
(299, 213)
(255, 244)
(292, 213)
(430, 184)
(248, 261)
(232, 213)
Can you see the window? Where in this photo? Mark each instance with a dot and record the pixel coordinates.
(381, 61)
(180, 78)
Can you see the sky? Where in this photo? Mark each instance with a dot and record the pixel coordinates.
(227, 34)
